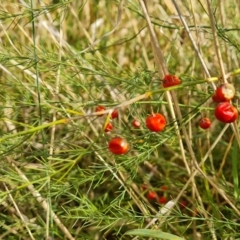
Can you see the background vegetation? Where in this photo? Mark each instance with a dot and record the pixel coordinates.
(60, 59)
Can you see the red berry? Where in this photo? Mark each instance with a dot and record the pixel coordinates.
(215, 98)
(108, 128)
(183, 204)
(151, 195)
(114, 114)
(224, 93)
(156, 122)
(162, 200)
(195, 213)
(100, 109)
(170, 80)
(226, 112)
(118, 146)
(144, 186)
(204, 123)
(136, 123)
(164, 188)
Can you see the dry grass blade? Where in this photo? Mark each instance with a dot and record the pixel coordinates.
(42, 201)
(23, 218)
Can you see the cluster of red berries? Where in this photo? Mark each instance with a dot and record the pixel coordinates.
(118, 145)
(224, 111)
(161, 197)
(156, 122)
(153, 195)
(114, 114)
